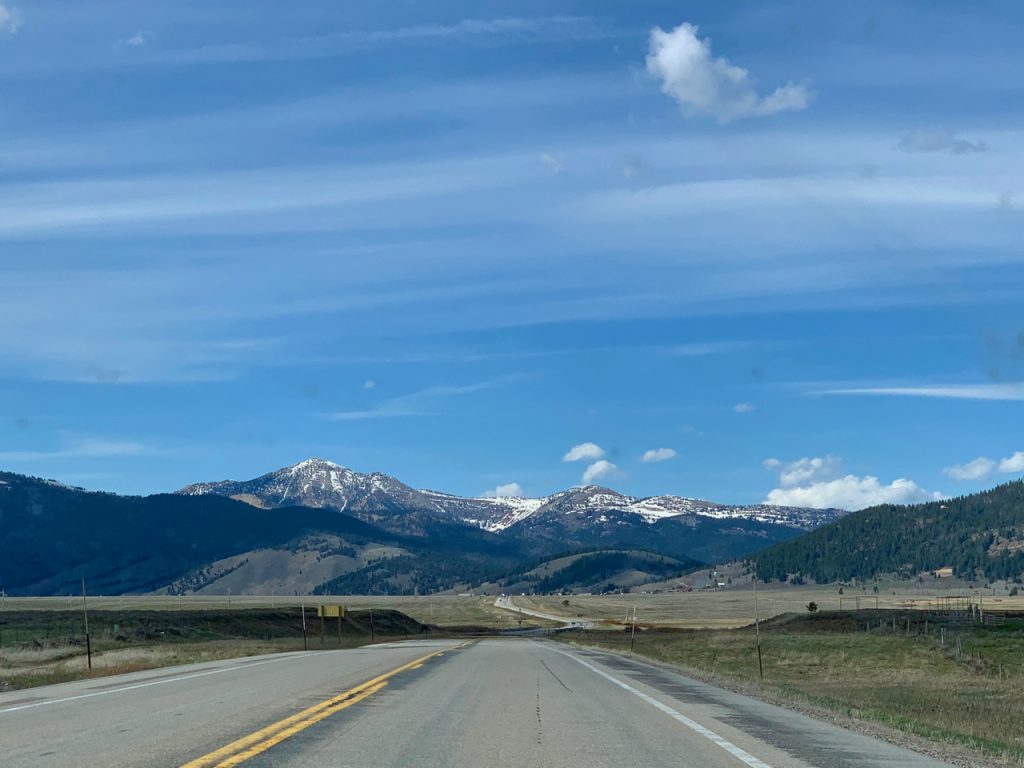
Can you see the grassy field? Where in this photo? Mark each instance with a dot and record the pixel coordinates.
(729, 608)
(40, 647)
(442, 610)
(958, 684)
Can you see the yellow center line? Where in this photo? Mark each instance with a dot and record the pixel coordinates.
(280, 736)
(259, 741)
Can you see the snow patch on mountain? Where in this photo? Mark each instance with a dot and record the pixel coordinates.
(376, 496)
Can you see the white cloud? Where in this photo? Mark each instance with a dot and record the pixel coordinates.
(551, 162)
(806, 470)
(139, 39)
(80, 447)
(743, 407)
(597, 470)
(658, 454)
(633, 167)
(369, 384)
(415, 403)
(543, 27)
(851, 492)
(939, 141)
(508, 489)
(703, 85)
(977, 469)
(584, 452)
(813, 482)
(1014, 463)
(703, 348)
(10, 19)
(1009, 391)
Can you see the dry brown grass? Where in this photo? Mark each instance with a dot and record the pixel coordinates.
(729, 608)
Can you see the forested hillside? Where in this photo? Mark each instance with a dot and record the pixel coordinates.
(979, 536)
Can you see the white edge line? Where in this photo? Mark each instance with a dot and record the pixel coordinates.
(236, 668)
(725, 744)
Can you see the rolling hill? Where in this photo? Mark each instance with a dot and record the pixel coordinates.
(981, 536)
(317, 526)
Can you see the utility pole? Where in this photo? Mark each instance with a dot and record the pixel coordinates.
(372, 638)
(632, 631)
(757, 630)
(85, 615)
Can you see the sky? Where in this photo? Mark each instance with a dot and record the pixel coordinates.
(738, 251)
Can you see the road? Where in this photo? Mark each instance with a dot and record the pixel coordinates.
(505, 602)
(495, 702)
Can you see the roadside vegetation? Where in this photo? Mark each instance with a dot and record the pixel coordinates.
(946, 680)
(44, 647)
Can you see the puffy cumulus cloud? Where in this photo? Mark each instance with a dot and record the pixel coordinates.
(743, 408)
(137, 40)
(939, 141)
(658, 454)
(706, 86)
(973, 470)
(805, 470)
(597, 470)
(1014, 463)
(815, 482)
(584, 452)
(850, 492)
(508, 489)
(983, 467)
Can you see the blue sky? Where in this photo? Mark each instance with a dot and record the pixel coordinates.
(452, 241)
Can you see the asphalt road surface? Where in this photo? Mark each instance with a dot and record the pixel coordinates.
(495, 702)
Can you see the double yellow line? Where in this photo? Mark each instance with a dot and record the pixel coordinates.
(260, 741)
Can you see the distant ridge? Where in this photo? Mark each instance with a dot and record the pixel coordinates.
(980, 536)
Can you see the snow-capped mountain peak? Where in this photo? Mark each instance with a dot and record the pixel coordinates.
(382, 499)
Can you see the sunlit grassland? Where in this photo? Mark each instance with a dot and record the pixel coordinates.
(923, 682)
(442, 610)
(730, 608)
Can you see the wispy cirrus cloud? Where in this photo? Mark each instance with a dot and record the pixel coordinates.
(81, 447)
(10, 19)
(476, 32)
(939, 141)
(417, 403)
(996, 391)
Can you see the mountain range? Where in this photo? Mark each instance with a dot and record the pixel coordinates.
(318, 526)
(383, 500)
